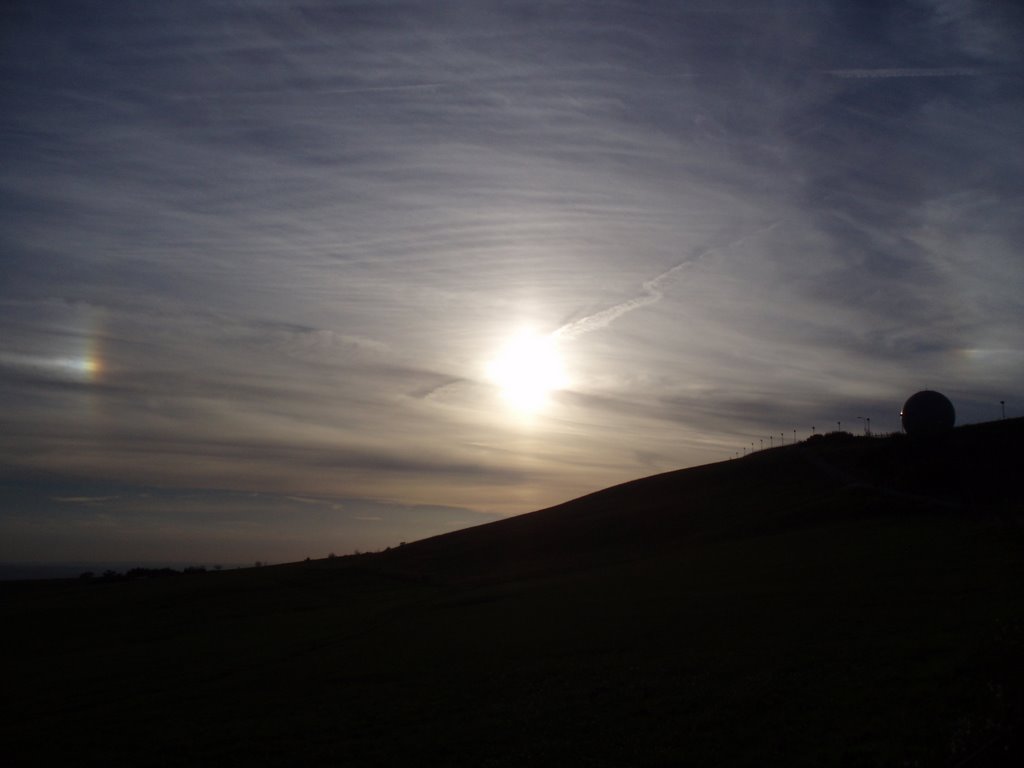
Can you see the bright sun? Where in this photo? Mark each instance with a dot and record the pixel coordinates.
(527, 370)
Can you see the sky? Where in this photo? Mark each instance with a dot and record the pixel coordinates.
(281, 278)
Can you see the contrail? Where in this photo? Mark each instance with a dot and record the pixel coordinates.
(383, 88)
(912, 72)
(652, 292)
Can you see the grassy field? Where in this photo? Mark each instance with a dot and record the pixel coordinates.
(845, 601)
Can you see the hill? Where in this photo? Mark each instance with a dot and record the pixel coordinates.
(843, 601)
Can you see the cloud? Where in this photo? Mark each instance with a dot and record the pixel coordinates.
(288, 238)
(83, 499)
(914, 72)
(147, 523)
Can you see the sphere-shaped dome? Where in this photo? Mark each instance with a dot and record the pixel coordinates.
(927, 413)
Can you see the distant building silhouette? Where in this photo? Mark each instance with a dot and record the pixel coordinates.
(927, 413)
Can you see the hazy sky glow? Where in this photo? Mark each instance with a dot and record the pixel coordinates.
(259, 258)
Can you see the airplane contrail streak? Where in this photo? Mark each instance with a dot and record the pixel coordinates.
(652, 292)
(912, 72)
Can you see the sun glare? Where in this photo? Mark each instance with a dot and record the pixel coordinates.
(527, 370)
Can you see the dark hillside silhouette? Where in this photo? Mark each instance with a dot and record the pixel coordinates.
(842, 601)
(973, 469)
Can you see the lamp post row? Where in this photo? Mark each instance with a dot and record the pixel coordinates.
(782, 437)
(839, 428)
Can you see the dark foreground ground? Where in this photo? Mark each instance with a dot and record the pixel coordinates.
(844, 601)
